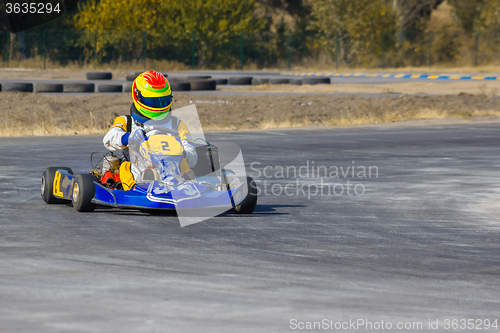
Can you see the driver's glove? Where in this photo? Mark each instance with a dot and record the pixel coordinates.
(133, 138)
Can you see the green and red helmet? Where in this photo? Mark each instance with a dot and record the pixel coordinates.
(152, 95)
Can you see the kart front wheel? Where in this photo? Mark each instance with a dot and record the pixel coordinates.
(83, 193)
(247, 206)
(48, 186)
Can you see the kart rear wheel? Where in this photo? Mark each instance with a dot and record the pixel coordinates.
(247, 206)
(83, 193)
(48, 186)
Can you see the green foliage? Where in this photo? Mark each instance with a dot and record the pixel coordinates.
(364, 28)
(467, 12)
(488, 21)
(267, 33)
(216, 24)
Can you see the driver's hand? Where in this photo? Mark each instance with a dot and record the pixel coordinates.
(136, 136)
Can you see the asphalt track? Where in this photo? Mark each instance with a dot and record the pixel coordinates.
(421, 244)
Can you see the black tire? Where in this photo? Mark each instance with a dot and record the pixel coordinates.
(259, 81)
(316, 80)
(20, 87)
(83, 193)
(296, 82)
(127, 87)
(203, 166)
(0, 87)
(203, 85)
(48, 186)
(99, 76)
(247, 206)
(79, 87)
(104, 88)
(198, 77)
(279, 81)
(180, 86)
(48, 87)
(221, 81)
(240, 80)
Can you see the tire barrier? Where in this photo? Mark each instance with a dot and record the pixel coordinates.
(316, 80)
(127, 87)
(79, 87)
(48, 87)
(198, 77)
(19, 87)
(279, 81)
(259, 81)
(221, 81)
(240, 80)
(106, 88)
(99, 76)
(131, 77)
(203, 85)
(296, 82)
(180, 86)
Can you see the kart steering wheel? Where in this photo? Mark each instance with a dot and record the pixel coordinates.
(164, 130)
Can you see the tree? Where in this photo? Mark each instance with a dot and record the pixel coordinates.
(409, 15)
(360, 26)
(467, 11)
(488, 21)
(170, 24)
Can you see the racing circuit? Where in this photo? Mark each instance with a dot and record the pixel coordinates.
(421, 243)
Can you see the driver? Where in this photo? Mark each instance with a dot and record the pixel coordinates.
(152, 98)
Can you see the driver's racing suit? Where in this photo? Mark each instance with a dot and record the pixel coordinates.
(126, 124)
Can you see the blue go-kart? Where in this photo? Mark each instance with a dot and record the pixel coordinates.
(161, 185)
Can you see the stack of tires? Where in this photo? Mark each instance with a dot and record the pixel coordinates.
(186, 83)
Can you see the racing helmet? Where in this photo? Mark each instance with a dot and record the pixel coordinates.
(152, 96)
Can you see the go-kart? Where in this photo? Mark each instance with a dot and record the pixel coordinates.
(161, 185)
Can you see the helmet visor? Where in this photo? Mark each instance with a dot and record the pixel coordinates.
(156, 102)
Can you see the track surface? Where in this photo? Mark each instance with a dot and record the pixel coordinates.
(422, 243)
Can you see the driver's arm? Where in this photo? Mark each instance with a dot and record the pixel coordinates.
(187, 144)
(114, 139)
